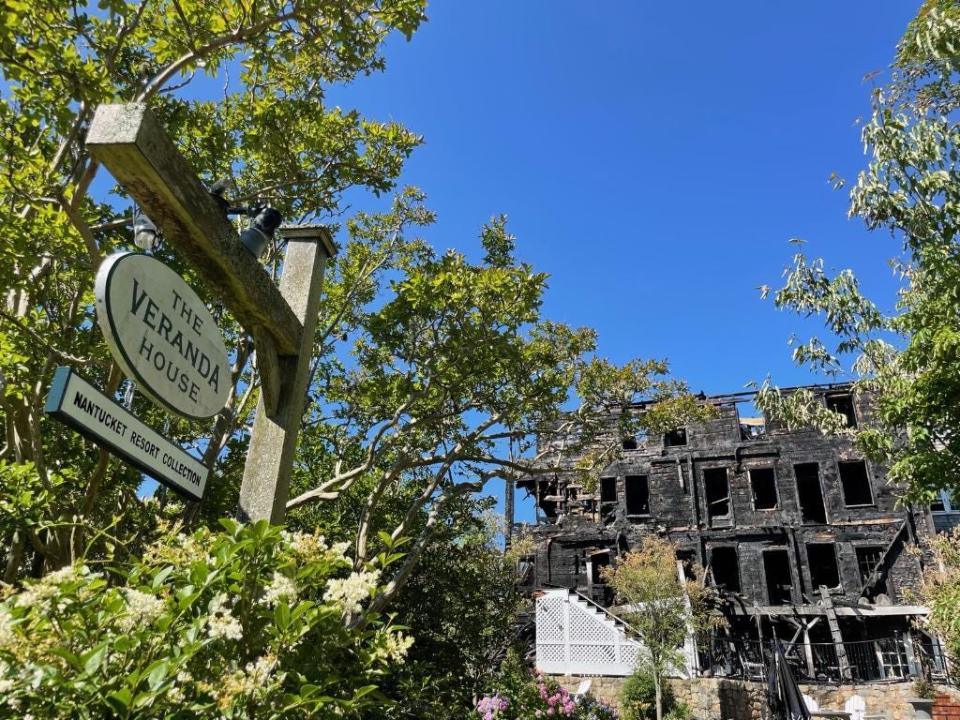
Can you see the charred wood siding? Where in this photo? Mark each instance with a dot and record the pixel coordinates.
(699, 493)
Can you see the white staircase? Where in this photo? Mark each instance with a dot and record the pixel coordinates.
(576, 637)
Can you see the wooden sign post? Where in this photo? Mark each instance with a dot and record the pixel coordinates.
(130, 143)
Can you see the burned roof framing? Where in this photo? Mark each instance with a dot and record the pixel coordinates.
(789, 525)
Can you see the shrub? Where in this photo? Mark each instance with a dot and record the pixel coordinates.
(638, 697)
(246, 622)
(520, 695)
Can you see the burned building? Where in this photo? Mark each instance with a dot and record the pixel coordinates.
(802, 536)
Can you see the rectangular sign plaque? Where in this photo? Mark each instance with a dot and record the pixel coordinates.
(75, 402)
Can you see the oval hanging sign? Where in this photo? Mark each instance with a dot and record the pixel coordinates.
(162, 335)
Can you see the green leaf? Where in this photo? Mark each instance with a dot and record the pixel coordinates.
(93, 659)
(157, 672)
(119, 700)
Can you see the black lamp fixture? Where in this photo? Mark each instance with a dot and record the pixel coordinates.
(264, 221)
(261, 229)
(144, 231)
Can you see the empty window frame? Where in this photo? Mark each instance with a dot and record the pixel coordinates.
(608, 489)
(716, 489)
(809, 493)
(688, 561)
(776, 568)
(939, 503)
(725, 566)
(944, 502)
(637, 490)
(763, 482)
(629, 443)
(855, 482)
(867, 560)
(843, 404)
(598, 561)
(752, 427)
(822, 561)
(675, 437)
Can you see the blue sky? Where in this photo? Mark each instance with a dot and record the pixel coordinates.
(653, 158)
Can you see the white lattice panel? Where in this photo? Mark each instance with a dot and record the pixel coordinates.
(577, 638)
(587, 626)
(550, 619)
(593, 654)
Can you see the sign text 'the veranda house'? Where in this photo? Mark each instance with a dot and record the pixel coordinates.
(162, 335)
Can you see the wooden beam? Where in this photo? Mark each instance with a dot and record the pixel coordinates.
(131, 144)
(841, 611)
(835, 634)
(273, 442)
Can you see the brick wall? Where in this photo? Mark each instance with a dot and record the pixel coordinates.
(946, 707)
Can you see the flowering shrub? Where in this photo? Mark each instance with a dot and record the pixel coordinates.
(250, 622)
(522, 696)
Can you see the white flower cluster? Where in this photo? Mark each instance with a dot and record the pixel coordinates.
(280, 587)
(222, 623)
(6, 684)
(396, 645)
(351, 591)
(175, 693)
(313, 546)
(259, 672)
(142, 609)
(6, 627)
(177, 550)
(48, 586)
(246, 682)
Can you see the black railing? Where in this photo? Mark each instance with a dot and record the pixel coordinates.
(888, 659)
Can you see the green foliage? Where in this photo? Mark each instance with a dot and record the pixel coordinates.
(941, 591)
(647, 583)
(520, 695)
(905, 360)
(460, 604)
(638, 697)
(268, 133)
(432, 375)
(243, 622)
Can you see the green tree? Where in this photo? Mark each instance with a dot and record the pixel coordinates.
(461, 605)
(655, 603)
(941, 592)
(269, 133)
(905, 360)
(432, 373)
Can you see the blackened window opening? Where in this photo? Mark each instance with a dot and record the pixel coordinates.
(675, 437)
(822, 558)
(597, 563)
(629, 443)
(763, 481)
(809, 493)
(776, 568)
(843, 404)
(688, 559)
(717, 492)
(608, 489)
(638, 495)
(867, 560)
(726, 568)
(856, 483)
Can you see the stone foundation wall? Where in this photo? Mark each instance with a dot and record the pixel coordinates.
(725, 699)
